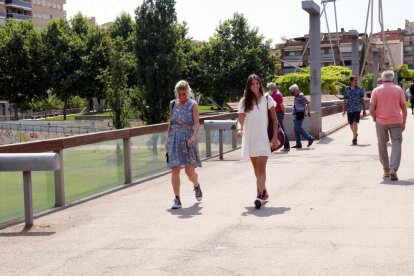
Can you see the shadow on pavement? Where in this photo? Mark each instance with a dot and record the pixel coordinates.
(188, 212)
(265, 211)
(361, 145)
(407, 182)
(325, 140)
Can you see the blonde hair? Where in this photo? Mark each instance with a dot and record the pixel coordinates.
(183, 85)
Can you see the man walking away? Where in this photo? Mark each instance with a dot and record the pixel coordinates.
(280, 111)
(301, 107)
(389, 113)
(353, 102)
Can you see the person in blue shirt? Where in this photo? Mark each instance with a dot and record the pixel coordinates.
(353, 102)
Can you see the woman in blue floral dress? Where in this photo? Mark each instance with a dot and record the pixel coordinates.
(182, 142)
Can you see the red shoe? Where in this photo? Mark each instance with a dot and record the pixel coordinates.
(265, 196)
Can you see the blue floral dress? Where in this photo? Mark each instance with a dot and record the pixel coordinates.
(179, 153)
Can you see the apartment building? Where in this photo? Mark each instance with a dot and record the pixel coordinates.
(409, 44)
(45, 10)
(336, 49)
(39, 11)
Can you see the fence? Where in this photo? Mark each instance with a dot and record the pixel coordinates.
(95, 163)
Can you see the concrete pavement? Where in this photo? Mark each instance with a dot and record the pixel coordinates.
(330, 213)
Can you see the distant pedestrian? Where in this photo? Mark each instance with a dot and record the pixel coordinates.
(301, 107)
(412, 96)
(252, 127)
(280, 110)
(352, 104)
(182, 142)
(389, 113)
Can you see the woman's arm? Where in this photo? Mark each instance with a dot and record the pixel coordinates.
(169, 126)
(240, 123)
(196, 124)
(275, 140)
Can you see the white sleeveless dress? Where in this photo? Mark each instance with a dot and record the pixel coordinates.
(255, 141)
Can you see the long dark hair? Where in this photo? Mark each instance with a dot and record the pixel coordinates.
(248, 93)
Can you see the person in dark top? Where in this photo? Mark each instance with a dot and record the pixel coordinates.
(412, 96)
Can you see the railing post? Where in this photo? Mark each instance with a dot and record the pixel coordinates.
(28, 202)
(233, 138)
(221, 143)
(59, 182)
(208, 143)
(127, 161)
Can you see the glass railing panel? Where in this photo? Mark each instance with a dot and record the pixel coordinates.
(93, 168)
(148, 155)
(11, 194)
(215, 147)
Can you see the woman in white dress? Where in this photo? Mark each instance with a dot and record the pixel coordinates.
(252, 126)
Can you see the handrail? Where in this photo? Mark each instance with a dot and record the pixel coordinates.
(26, 163)
(58, 145)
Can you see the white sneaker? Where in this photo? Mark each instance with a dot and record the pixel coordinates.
(176, 203)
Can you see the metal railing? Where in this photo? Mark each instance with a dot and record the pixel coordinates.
(18, 16)
(92, 164)
(26, 163)
(20, 3)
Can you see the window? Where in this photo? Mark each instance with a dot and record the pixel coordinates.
(2, 109)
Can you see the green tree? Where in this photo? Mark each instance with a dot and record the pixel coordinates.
(22, 67)
(124, 28)
(234, 52)
(117, 91)
(94, 52)
(64, 60)
(158, 60)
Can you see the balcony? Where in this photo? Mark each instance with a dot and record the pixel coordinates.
(18, 16)
(291, 58)
(327, 57)
(19, 4)
(1, 1)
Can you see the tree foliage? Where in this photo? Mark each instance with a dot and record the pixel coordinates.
(333, 78)
(231, 55)
(76, 56)
(22, 67)
(158, 58)
(116, 78)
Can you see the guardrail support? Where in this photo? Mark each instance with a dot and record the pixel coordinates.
(59, 182)
(28, 201)
(219, 125)
(127, 161)
(26, 163)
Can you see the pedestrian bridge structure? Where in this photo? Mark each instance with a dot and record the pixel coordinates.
(330, 213)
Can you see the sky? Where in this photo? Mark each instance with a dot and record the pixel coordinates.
(274, 19)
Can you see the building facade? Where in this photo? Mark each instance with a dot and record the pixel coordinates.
(336, 49)
(409, 44)
(45, 10)
(39, 11)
